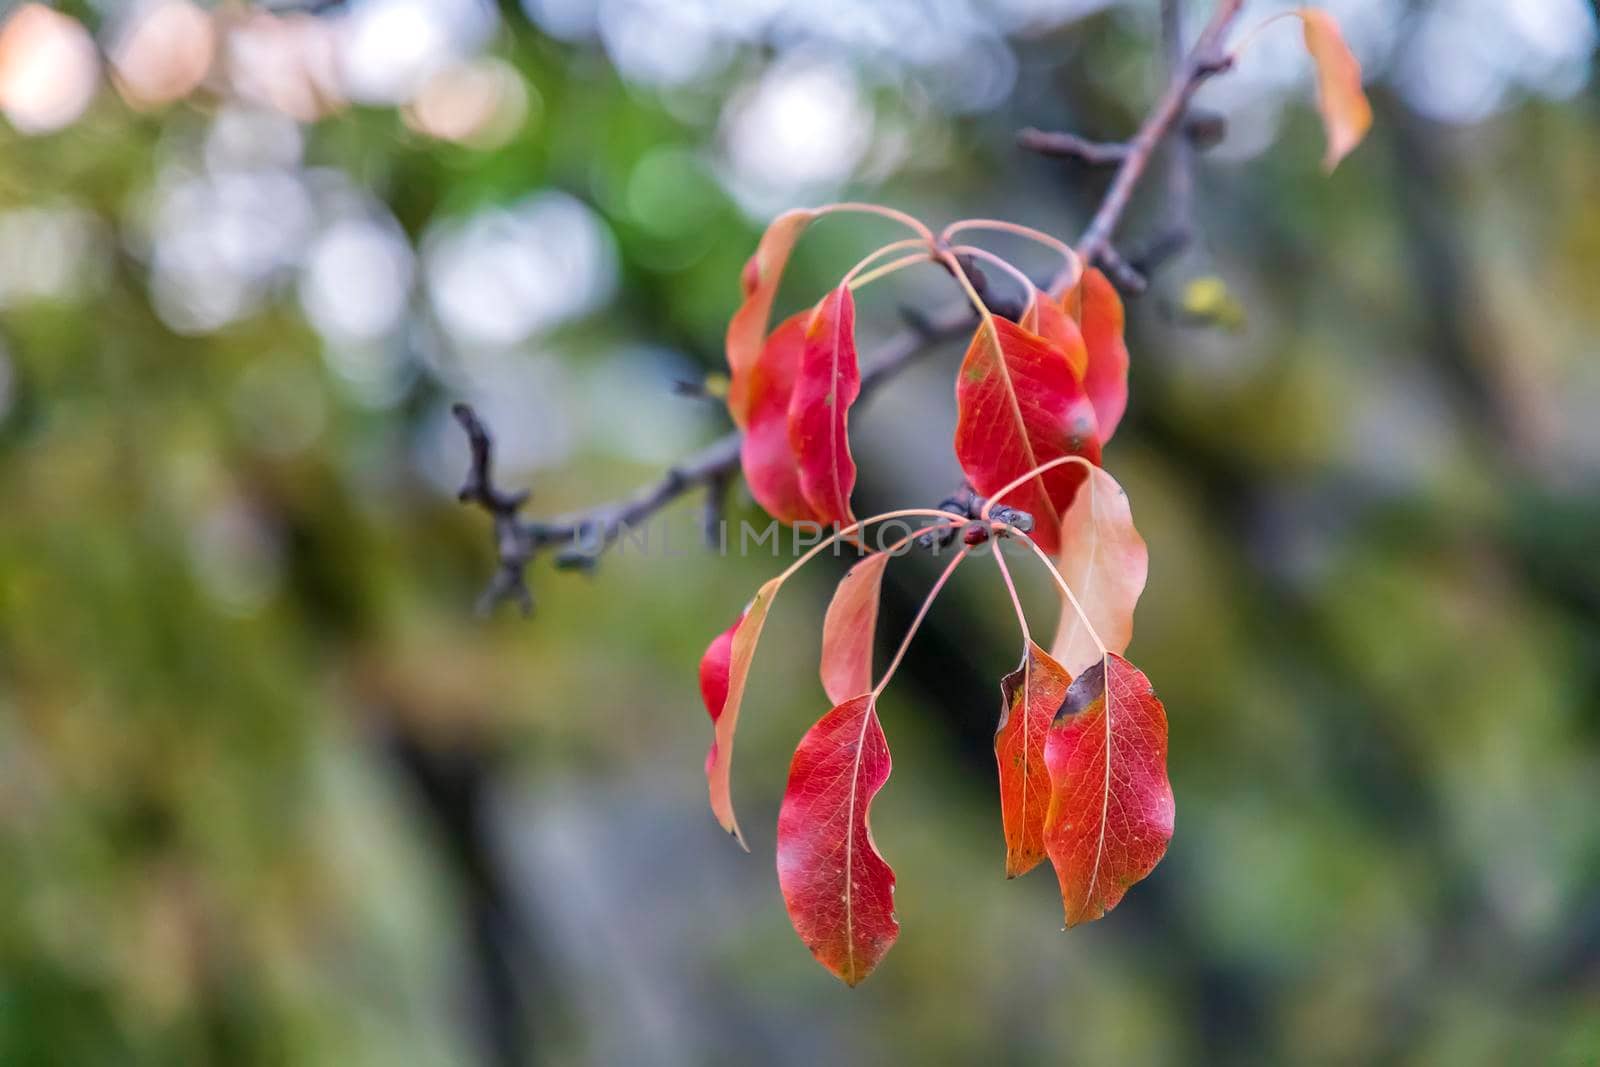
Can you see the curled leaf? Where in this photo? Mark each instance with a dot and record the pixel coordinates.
(1105, 562)
(771, 467)
(1346, 113)
(828, 382)
(1111, 806)
(838, 889)
(1018, 406)
(1029, 698)
(741, 650)
(849, 628)
(714, 667)
(747, 331)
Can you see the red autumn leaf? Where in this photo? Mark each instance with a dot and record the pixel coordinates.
(1019, 406)
(828, 383)
(1029, 699)
(714, 666)
(836, 886)
(1050, 320)
(1097, 309)
(849, 628)
(1346, 113)
(1105, 562)
(747, 331)
(771, 467)
(1111, 806)
(741, 650)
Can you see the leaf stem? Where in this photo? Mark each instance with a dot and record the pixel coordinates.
(1011, 587)
(878, 253)
(1253, 32)
(852, 528)
(985, 317)
(922, 613)
(912, 224)
(999, 261)
(1028, 477)
(887, 269)
(1039, 236)
(1067, 589)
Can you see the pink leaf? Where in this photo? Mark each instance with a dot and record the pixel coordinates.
(1105, 562)
(742, 649)
(849, 628)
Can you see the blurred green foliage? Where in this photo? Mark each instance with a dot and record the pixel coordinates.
(270, 793)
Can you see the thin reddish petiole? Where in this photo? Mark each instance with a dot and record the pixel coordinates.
(989, 257)
(878, 253)
(1255, 31)
(1067, 589)
(986, 320)
(912, 224)
(932, 527)
(887, 269)
(922, 613)
(1073, 263)
(1011, 587)
(1030, 476)
(857, 525)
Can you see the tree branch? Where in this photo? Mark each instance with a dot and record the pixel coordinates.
(587, 534)
(584, 535)
(1205, 59)
(1071, 146)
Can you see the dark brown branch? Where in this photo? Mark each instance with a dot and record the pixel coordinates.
(514, 545)
(1071, 146)
(1123, 274)
(585, 535)
(1205, 59)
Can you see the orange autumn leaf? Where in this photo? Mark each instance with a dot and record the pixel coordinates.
(747, 331)
(1029, 699)
(1346, 113)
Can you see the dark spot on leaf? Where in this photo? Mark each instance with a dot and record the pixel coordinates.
(1087, 688)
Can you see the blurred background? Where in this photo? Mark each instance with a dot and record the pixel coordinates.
(271, 793)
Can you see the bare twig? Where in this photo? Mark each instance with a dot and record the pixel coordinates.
(1205, 59)
(514, 545)
(584, 535)
(1071, 146)
(1123, 274)
(1180, 172)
